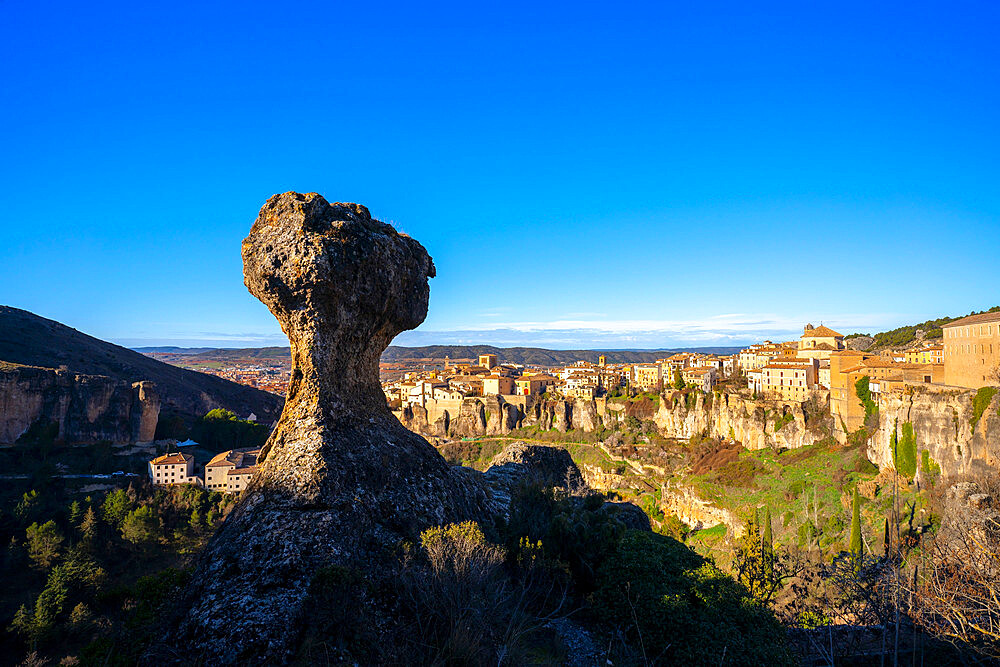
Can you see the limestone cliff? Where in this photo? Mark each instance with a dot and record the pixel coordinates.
(757, 424)
(942, 424)
(496, 415)
(74, 408)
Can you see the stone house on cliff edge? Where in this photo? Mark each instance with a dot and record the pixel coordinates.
(972, 351)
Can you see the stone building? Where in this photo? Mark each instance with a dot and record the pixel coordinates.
(789, 378)
(819, 342)
(177, 468)
(972, 351)
(231, 471)
(647, 376)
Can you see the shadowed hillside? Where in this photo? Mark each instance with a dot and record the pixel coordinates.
(26, 338)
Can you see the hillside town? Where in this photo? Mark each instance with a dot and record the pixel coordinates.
(820, 364)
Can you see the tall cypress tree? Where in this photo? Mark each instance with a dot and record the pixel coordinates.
(855, 547)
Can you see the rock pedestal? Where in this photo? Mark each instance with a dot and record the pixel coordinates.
(342, 481)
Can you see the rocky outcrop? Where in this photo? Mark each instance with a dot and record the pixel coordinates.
(342, 481)
(547, 466)
(493, 415)
(942, 424)
(756, 424)
(42, 404)
(694, 511)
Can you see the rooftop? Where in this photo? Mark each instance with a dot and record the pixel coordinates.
(974, 319)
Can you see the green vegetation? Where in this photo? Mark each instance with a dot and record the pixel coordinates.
(87, 575)
(905, 335)
(980, 402)
(904, 451)
(221, 429)
(928, 466)
(865, 395)
(855, 544)
(783, 420)
(675, 605)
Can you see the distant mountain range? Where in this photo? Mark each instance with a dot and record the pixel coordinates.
(535, 356)
(30, 340)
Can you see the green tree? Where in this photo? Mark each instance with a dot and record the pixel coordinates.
(681, 609)
(753, 563)
(88, 525)
(855, 544)
(44, 543)
(678, 380)
(767, 540)
(195, 520)
(116, 506)
(140, 526)
(27, 508)
(221, 429)
(74, 575)
(75, 512)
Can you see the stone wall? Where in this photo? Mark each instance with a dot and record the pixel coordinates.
(84, 408)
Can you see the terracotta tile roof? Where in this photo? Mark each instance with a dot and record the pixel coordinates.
(167, 459)
(974, 319)
(235, 458)
(821, 332)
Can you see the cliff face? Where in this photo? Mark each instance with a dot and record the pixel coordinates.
(756, 424)
(77, 409)
(942, 425)
(492, 415)
(342, 481)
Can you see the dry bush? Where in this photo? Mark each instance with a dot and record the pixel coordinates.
(956, 593)
(464, 605)
(711, 455)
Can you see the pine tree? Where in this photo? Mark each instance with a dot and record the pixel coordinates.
(855, 546)
(75, 511)
(753, 562)
(767, 541)
(88, 527)
(886, 543)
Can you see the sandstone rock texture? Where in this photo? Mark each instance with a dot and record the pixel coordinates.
(74, 408)
(342, 481)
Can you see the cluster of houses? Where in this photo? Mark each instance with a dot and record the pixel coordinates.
(581, 379)
(228, 472)
(966, 357)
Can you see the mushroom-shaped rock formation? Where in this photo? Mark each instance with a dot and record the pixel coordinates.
(342, 481)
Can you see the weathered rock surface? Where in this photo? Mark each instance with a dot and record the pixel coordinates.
(548, 466)
(342, 481)
(75, 408)
(942, 424)
(747, 421)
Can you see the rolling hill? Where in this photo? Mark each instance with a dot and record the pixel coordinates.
(516, 355)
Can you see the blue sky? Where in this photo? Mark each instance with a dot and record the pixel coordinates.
(613, 175)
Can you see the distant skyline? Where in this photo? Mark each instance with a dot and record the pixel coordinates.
(627, 177)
